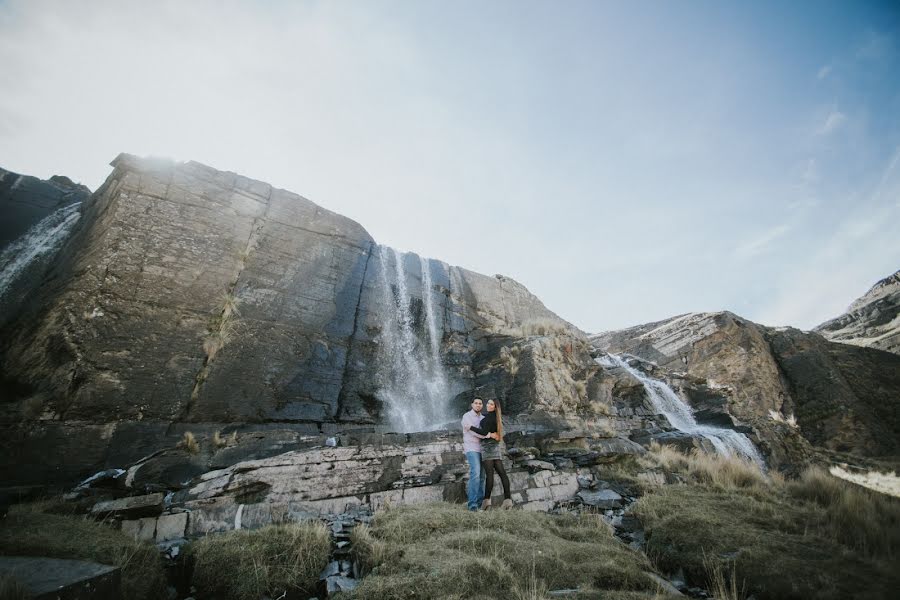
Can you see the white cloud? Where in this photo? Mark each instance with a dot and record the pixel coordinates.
(833, 121)
(760, 244)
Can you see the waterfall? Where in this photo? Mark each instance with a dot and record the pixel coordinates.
(41, 241)
(681, 416)
(415, 387)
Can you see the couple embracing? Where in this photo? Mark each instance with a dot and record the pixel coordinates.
(483, 445)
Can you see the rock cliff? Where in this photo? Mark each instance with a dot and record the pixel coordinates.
(842, 397)
(872, 321)
(190, 295)
(37, 219)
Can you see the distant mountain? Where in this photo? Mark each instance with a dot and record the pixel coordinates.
(872, 321)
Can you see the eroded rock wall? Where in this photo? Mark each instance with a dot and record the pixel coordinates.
(842, 397)
(188, 295)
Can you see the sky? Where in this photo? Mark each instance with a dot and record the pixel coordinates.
(627, 162)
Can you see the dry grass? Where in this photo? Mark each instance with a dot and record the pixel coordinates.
(722, 580)
(218, 441)
(12, 589)
(816, 536)
(710, 469)
(790, 420)
(537, 327)
(189, 443)
(248, 565)
(510, 359)
(862, 519)
(28, 532)
(444, 551)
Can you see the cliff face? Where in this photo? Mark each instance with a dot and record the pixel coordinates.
(190, 295)
(872, 321)
(25, 200)
(843, 397)
(33, 210)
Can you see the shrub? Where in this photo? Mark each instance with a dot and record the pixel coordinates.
(247, 565)
(32, 533)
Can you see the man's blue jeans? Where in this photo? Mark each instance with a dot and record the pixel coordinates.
(475, 488)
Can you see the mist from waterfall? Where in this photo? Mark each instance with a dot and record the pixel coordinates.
(415, 387)
(681, 416)
(41, 241)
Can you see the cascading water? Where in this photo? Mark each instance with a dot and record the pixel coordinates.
(415, 386)
(666, 402)
(44, 239)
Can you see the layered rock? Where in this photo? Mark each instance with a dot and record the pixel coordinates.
(190, 295)
(872, 321)
(842, 397)
(314, 476)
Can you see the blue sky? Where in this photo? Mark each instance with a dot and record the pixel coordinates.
(625, 161)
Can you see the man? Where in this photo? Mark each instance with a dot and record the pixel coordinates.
(472, 448)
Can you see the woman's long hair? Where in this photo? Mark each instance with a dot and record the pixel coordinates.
(499, 419)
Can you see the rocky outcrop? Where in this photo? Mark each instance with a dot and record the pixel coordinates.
(319, 476)
(37, 219)
(843, 398)
(193, 296)
(25, 200)
(872, 321)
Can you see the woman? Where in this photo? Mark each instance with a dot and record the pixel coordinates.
(492, 453)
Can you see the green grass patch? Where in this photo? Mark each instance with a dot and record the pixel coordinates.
(444, 551)
(814, 537)
(266, 562)
(29, 532)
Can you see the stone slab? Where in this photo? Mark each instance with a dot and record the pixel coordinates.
(171, 527)
(62, 579)
(142, 530)
(132, 506)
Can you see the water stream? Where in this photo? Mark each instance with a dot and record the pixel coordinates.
(39, 242)
(416, 389)
(681, 416)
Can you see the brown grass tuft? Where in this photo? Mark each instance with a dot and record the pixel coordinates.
(218, 441)
(189, 443)
(271, 561)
